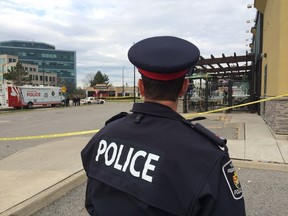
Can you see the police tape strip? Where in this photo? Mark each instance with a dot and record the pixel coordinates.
(233, 107)
(95, 131)
(49, 135)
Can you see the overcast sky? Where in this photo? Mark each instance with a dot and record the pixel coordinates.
(102, 31)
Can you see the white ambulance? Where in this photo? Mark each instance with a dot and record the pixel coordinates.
(28, 96)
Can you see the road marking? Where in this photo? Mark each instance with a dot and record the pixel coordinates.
(94, 131)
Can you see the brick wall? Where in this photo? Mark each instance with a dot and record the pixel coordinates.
(275, 113)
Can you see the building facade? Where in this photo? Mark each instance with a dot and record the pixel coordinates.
(106, 91)
(46, 57)
(270, 47)
(36, 76)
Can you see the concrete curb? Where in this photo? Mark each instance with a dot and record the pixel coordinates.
(260, 165)
(47, 196)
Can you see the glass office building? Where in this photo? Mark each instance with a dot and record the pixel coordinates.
(48, 59)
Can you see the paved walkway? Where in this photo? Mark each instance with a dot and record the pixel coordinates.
(259, 143)
(249, 137)
(32, 178)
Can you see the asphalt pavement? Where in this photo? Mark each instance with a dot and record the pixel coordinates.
(34, 177)
(264, 196)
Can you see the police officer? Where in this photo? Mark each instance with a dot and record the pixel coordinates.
(152, 161)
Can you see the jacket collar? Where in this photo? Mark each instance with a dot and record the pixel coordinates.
(156, 109)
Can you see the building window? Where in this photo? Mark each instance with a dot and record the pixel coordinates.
(41, 78)
(36, 77)
(22, 54)
(46, 55)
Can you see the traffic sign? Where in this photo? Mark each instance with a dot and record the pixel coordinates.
(63, 89)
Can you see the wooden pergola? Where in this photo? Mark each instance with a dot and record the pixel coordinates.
(226, 67)
(229, 68)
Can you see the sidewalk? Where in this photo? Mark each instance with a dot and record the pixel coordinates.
(34, 177)
(259, 143)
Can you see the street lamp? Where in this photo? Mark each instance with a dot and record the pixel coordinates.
(123, 81)
(43, 62)
(250, 21)
(134, 82)
(250, 5)
(134, 85)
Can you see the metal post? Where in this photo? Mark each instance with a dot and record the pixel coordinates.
(123, 81)
(134, 86)
(134, 82)
(230, 92)
(43, 77)
(206, 94)
(185, 103)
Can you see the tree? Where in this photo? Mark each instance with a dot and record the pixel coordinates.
(80, 92)
(18, 75)
(99, 78)
(88, 79)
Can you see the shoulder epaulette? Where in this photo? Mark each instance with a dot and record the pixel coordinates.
(208, 134)
(118, 116)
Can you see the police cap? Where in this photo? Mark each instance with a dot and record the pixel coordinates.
(163, 57)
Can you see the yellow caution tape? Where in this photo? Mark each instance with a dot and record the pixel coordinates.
(95, 131)
(49, 135)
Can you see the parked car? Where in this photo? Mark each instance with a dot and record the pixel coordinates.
(82, 101)
(93, 100)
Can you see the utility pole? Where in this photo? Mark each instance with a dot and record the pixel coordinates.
(134, 85)
(123, 81)
(43, 77)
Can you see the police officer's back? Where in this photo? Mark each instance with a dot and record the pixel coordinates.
(153, 161)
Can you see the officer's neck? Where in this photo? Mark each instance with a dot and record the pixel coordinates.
(170, 104)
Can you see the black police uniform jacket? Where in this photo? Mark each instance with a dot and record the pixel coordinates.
(151, 163)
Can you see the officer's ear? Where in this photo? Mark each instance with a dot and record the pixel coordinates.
(141, 87)
(184, 87)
